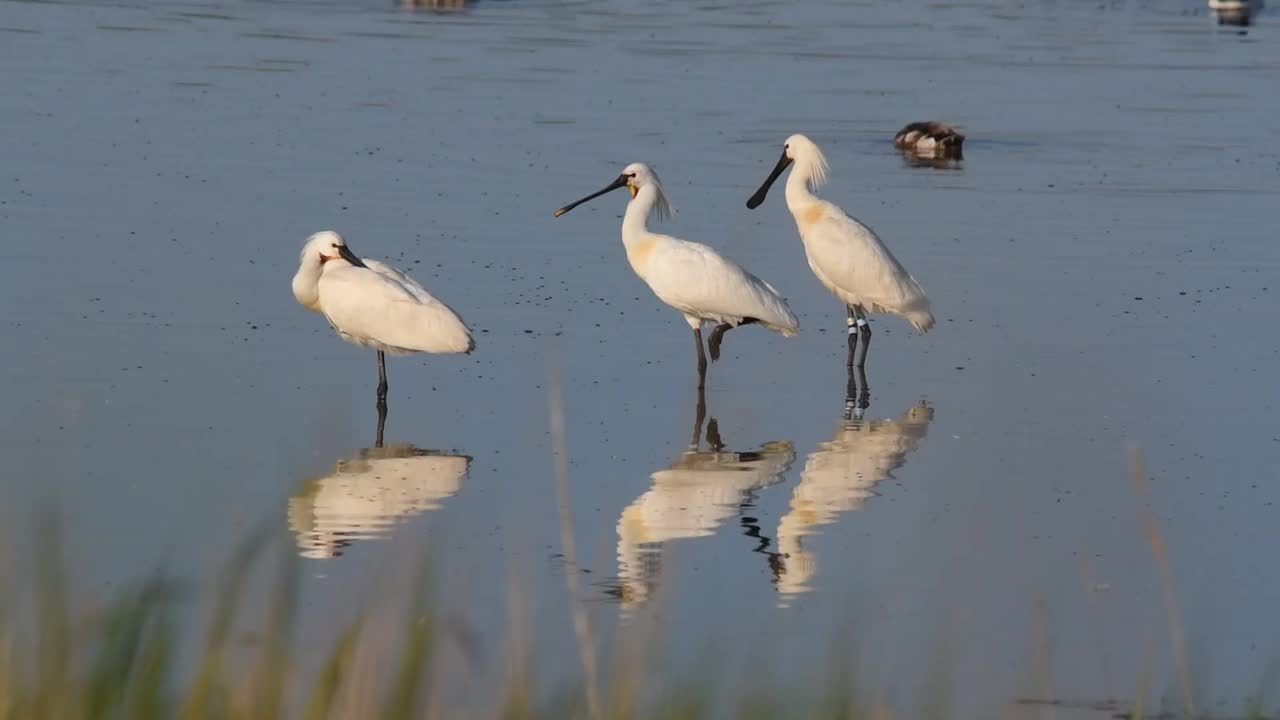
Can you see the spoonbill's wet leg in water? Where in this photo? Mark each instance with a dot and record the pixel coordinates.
(846, 256)
(856, 402)
(689, 276)
(372, 304)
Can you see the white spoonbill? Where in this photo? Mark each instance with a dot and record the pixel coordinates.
(372, 304)
(691, 277)
(847, 256)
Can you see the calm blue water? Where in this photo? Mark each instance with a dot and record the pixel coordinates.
(1103, 267)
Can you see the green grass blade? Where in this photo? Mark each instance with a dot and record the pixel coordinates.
(403, 700)
(327, 685)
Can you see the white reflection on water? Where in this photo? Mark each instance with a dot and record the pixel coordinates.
(691, 498)
(840, 476)
(370, 492)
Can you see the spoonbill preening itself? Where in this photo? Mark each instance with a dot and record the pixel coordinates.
(372, 304)
(691, 277)
(847, 256)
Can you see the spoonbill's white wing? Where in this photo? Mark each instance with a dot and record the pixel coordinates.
(379, 309)
(402, 279)
(698, 281)
(849, 258)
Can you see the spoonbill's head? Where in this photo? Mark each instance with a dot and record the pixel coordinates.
(635, 177)
(798, 149)
(328, 245)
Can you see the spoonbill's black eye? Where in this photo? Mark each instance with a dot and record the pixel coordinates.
(632, 176)
(787, 146)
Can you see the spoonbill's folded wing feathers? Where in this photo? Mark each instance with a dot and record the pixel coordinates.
(409, 284)
(390, 311)
(696, 279)
(852, 256)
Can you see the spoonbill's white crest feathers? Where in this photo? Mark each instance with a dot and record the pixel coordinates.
(691, 277)
(841, 476)
(930, 138)
(643, 174)
(848, 258)
(368, 494)
(375, 305)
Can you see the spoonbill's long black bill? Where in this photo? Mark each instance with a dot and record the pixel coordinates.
(621, 181)
(758, 198)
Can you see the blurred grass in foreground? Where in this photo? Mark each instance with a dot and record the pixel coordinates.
(63, 657)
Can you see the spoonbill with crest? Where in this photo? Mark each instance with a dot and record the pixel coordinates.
(847, 256)
(694, 279)
(375, 305)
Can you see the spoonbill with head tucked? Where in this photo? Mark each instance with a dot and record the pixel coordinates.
(372, 304)
(847, 256)
(691, 277)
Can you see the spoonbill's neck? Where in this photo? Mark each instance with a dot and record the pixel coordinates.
(306, 284)
(635, 223)
(798, 193)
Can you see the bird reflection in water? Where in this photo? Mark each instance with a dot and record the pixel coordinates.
(370, 492)
(691, 498)
(840, 476)
(931, 160)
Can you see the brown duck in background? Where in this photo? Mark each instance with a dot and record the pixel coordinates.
(930, 139)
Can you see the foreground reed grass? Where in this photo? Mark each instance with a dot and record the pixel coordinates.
(65, 660)
(133, 657)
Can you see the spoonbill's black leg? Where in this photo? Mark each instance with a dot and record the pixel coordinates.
(856, 402)
(382, 424)
(702, 358)
(865, 329)
(852, 323)
(700, 414)
(382, 380)
(717, 336)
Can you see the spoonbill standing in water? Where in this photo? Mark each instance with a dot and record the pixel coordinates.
(847, 256)
(372, 304)
(691, 277)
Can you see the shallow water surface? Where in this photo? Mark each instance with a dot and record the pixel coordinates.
(1103, 267)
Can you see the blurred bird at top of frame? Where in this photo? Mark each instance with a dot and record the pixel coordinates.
(1236, 13)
